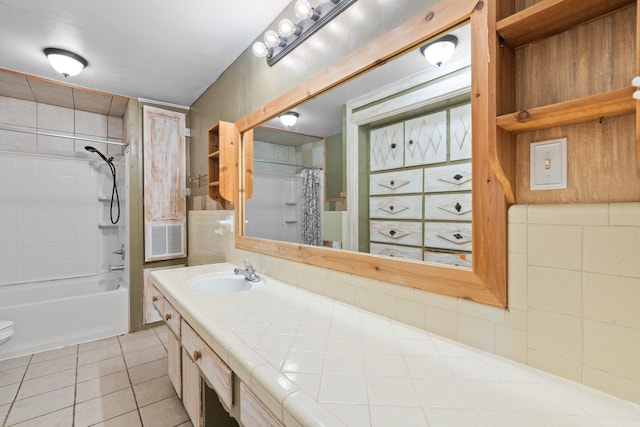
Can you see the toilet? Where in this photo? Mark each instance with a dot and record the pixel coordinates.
(6, 330)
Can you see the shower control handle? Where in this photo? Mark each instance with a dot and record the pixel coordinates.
(120, 251)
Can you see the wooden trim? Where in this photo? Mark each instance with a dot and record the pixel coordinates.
(549, 17)
(638, 74)
(229, 145)
(608, 104)
(486, 283)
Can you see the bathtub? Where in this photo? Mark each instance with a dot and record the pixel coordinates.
(57, 313)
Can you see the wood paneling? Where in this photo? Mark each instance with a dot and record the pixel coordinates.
(601, 167)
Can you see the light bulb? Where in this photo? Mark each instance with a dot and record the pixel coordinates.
(286, 28)
(260, 50)
(289, 118)
(271, 39)
(304, 10)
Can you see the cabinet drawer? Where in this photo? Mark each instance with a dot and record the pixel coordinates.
(396, 251)
(252, 411)
(406, 233)
(213, 369)
(396, 207)
(458, 259)
(448, 178)
(447, 235)
(400, 182)
(157, 300)
(451, 207)
(386, 147)
(172, 317)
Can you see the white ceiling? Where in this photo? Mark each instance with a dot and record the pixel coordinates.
(169, 51)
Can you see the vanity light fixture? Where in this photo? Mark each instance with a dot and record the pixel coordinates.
(289, 118)
(277, 45)
(65, 62)
(440, 51)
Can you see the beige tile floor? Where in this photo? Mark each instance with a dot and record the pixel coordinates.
(118, 381)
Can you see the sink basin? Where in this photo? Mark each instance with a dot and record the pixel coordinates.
(224, 283)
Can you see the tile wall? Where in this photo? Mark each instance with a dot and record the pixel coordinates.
(574, 295)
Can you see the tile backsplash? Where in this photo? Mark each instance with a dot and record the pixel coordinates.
(574, 295)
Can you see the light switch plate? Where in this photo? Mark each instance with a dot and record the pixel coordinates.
(548, 164)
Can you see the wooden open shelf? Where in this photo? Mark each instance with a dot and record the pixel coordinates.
(609, 104)
(550, 17)
(223, 163)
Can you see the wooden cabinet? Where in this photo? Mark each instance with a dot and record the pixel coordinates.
(564, 68)
(223, 154)
(425, 139)
(253, 413)
(174, 362)
(191, 389)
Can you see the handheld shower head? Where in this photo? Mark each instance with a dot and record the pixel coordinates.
(91, 149)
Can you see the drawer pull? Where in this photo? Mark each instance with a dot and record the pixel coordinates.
(392, 232)
(458, 236)
(196, 355)
(391, 207)
(458, 207)
(394, 145)
(154, 298)
(392, 183)
(457, 177)
(167, 316)
(411, 142)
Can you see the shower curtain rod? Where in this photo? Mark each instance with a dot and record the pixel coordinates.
(57, 135)
(275, 162)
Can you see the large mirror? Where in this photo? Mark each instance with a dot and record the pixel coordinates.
(375, 177)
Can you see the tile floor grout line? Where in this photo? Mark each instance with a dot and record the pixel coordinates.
(133, 392)
(15, 397)
(75, 387)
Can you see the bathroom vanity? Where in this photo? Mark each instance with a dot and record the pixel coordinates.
(278, 355)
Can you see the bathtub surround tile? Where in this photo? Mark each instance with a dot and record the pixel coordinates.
(41, 404)
(47, 383)
(54, 118)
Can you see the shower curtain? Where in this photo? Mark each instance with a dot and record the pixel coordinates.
(311, 207)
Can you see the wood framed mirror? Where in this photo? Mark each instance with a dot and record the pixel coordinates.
(486, 280)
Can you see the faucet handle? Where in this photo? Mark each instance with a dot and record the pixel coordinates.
(246, 264)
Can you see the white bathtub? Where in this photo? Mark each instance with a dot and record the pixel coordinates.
(53, 314)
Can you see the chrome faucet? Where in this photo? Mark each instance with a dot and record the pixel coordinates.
(249, 272)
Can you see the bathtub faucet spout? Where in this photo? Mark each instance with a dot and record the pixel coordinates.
(116, 267)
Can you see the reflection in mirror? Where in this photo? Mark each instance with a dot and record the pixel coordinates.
(380, 164)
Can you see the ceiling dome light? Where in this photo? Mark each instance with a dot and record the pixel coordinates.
(304, 10)
(289, 118)
(65, 62)
(286, 28)
(440, 51)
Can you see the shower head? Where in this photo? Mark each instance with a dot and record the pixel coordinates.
(91, 149)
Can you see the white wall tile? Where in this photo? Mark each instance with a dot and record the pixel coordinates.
(624, 214)
(555, 246)
(517, 280)
(612, 299)
(613, 349)
(555, 365)
(17, 112)
(555, 334)
(90, 124)
(476, 332)
(511, 343)
(574, 214)
(612, 250)
(612, 384)
(54, 118)
(555, 290)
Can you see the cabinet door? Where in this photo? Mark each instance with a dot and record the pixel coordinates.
(191, 389)
(386, 148)
(425, 139)
(460, 133)
(175, 363)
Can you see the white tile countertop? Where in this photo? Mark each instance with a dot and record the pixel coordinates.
(314, 361)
